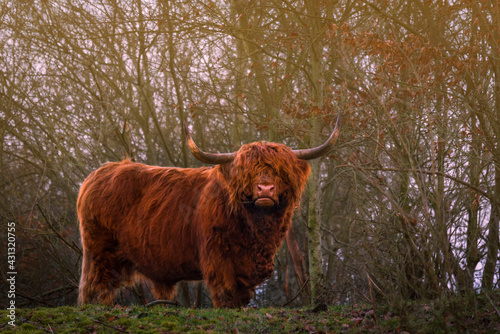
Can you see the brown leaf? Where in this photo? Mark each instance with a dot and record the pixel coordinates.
(356, 321)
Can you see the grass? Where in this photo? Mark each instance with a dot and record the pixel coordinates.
(419, 318)
(162, 319)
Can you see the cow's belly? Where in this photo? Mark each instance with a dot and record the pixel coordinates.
(168, 276)
(162, 264)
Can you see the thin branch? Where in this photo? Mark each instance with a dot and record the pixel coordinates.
(26, 296)
(371, 298)
(392, 18)
(491, 302)
(297, 294)
(77, 250)
(443, 174)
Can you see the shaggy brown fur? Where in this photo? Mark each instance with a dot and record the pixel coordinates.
(222, 224)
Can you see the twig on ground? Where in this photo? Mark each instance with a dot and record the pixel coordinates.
(161, 301)
(110, 326)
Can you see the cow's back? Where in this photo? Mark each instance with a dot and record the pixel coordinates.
(109, 193)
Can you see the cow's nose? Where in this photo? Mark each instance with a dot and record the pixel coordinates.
(265, 190)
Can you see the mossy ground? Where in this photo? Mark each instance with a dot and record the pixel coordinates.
(168, 319)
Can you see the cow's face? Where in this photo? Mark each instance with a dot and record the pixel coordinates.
(265, 176)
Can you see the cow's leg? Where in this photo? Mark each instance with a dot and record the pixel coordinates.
(231, 298)
(243, 296)
(85, 294)
(101, 270)
(100, 279)
(164, 291)
(219, 273)
(227, 290)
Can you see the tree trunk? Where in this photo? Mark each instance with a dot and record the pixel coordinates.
(492, 242)
(314, 218)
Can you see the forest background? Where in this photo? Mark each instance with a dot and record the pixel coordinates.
(407, 205)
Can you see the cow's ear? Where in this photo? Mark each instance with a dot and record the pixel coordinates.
(304, 167)
(225, 170)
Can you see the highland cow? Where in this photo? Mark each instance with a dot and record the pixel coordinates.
(222, 224)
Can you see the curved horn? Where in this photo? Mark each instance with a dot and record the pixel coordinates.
(209, 158)
(316, 152)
